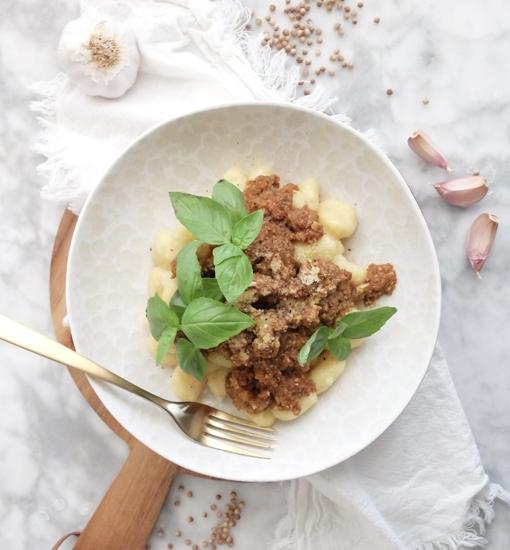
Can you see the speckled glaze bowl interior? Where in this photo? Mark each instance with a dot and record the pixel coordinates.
(110, 262)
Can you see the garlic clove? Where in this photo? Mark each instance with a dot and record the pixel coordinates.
(480, 240)
(463, 191)
(420, 143)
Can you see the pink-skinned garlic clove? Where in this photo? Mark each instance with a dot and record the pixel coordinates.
(463, 192)
(421, 144)
(480, 240)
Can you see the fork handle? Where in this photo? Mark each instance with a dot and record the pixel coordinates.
(26, 338)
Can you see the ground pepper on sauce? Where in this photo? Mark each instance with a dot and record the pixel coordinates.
(288, 301)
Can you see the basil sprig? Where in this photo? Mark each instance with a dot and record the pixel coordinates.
(196, 310)
(225, 221)
(204, 321)
(358, 324)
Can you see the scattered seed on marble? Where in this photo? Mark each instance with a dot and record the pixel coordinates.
(177, 502)
(213, 507)
(272, 7)
(170, 546)
(189, 494)
(425, 101)
(389, 91)
(181, 487)
(177, 533)
(187, 542)
(377, 20)
(194, 547)
(191, 519)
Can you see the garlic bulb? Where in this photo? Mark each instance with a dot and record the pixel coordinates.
(99, 55)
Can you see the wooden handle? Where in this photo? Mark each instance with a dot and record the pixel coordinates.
(127, 514)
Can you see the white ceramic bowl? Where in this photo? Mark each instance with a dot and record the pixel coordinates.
(110, 262)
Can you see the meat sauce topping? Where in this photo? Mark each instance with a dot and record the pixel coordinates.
(288, 301)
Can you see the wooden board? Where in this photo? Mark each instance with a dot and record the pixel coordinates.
(130, 508)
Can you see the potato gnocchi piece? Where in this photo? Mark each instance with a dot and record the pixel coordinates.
(167, 244)
(216, 381)
(263, 171)
(237, 176)
(326, 248)
(338, 218)
(157, 279)
(170, 359)
(356, 343)
(307, 195)
(217, 358)
(326, 372)
(169, 289)
(263, 419)
(359, 273)
(185, 386)
(305, 403)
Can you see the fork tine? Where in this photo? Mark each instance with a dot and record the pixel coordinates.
(215, 443)
(228, 436)
(220, 415)
(240, 430)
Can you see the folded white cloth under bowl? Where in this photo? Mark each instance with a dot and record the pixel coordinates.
(421, 484)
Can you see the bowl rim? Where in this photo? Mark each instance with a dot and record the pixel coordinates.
(327, 119)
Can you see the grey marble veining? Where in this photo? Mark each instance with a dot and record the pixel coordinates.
(56, 456)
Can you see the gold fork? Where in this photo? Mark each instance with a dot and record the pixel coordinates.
(202, 423)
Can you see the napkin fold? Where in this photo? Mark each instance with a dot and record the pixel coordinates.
(421, 485)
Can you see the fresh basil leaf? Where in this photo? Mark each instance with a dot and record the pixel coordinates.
(207, 219)
(231, 198)
(314, 346)
(225, 252)
(233, 272)
(211, 289)
(165, 341)
(208, 323)
(246, 230)
(189, 272)
(191, 359)
(160, 316)
(361, 324)
(177, 304)
(340, 347)
(338, 330)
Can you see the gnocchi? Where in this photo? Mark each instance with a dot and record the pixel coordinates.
(263, 419)
(326, 372)
(326, 248)
(170, 359)
(167, 244)
(217, 358)
(185, 386)
(307, 195)
(305, 403)
(162, 284)
(339, 221)
(237, 176)
(338, 218)
(358, 272)
(216, 381)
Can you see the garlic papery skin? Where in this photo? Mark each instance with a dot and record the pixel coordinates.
(421, 144)
(463, 192)
(99, 55)
(480, 240)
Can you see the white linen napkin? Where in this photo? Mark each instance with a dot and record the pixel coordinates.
(421, 484)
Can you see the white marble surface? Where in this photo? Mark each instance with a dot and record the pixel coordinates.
(57, 458)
